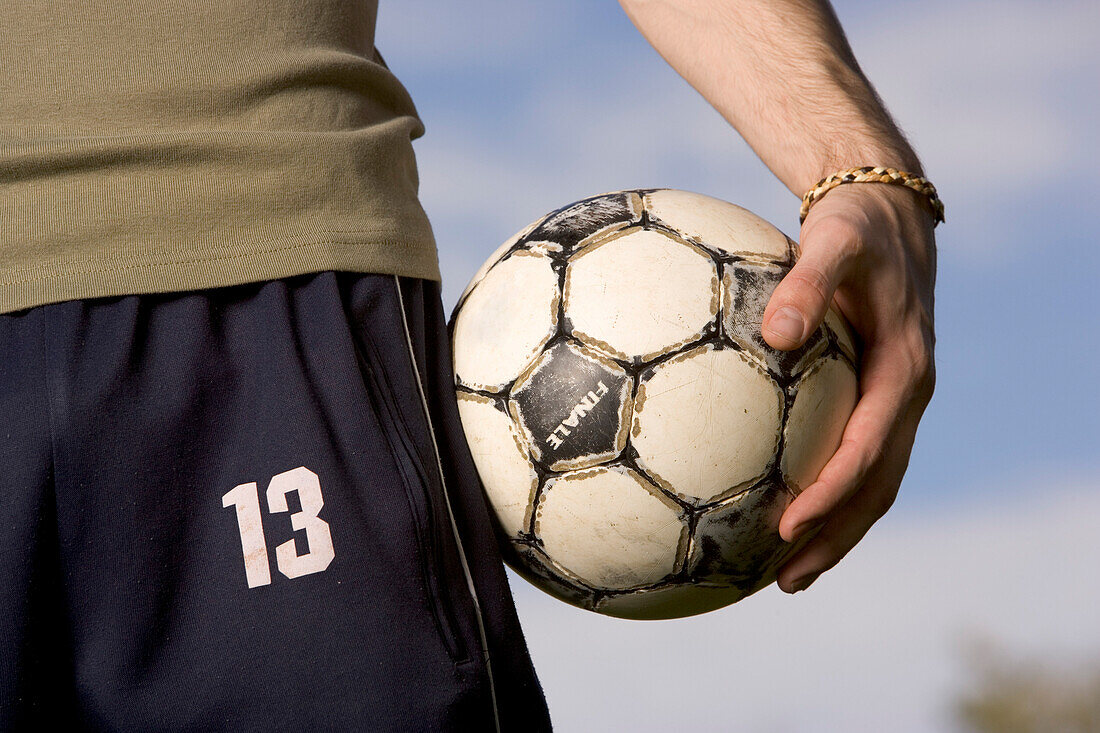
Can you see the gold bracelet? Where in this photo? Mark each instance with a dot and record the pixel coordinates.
(872, 174)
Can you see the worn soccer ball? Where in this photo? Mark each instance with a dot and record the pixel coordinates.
(635, 436)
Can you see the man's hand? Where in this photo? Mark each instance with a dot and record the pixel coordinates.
(869, 246)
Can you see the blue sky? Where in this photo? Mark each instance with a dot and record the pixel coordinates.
(531, 105)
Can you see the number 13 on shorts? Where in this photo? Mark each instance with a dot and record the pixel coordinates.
(246, 499)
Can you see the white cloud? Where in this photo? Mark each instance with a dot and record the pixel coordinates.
(990, 93)
(995, 95)
(988, 88)
(999, 98)
(575, 141)
(873, 645)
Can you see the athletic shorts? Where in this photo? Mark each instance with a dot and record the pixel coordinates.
(248, 508)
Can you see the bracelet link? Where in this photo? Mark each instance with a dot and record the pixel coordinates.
(874, 174)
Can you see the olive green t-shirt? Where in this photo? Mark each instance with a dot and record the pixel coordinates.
(163, 145)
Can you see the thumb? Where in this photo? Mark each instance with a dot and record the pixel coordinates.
(798, 305)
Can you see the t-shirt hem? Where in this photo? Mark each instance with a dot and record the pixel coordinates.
(97, 278)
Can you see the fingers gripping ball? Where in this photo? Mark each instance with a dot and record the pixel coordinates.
(637, 438)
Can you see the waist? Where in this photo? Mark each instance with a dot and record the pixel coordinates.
(94, 203)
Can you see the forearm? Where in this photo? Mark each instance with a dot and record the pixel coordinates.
(783, 74)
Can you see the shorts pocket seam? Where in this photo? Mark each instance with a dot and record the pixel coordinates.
(415, 481)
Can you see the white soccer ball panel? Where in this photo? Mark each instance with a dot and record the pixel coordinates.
(607, 527)
(826, 396)
(718, 224)
(707, 422)
(672, 601)
(505, 322)
(641, 294)
(501, 460)
(496, 255)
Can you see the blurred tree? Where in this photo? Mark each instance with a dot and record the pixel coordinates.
(1013, 695)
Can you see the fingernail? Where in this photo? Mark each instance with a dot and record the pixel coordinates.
(787, 323)
(804, 582)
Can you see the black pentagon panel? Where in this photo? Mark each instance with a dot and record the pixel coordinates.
(670, 600)
(574, 407)
(746, 289)
(738, 541)
(570, 225)
(533, 565)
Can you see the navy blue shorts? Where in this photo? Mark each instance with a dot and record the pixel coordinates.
(248, 508)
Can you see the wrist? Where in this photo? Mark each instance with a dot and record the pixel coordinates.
(926, 197)
(848, 153)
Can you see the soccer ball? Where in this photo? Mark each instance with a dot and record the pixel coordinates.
(636, 437)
